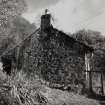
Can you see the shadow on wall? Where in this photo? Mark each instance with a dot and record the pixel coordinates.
(6, 65)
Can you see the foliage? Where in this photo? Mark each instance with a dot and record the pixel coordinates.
(18, 31)
(89, 37)
(9, 10)
(17, 89)
(97, 41)
(20, 90)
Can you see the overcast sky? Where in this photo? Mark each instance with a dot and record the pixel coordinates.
(70, 15)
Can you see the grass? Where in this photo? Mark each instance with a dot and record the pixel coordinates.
(20, 90)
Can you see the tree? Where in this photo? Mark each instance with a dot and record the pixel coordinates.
(89, 37)
(8, 10)
(97, 41)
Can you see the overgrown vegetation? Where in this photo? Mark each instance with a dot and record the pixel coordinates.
(20, 90)
(97, 41)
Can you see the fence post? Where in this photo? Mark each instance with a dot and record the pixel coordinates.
(90, 81)
(102, 86)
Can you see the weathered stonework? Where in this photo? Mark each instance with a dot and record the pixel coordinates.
(53, 55)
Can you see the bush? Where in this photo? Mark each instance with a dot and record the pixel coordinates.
(20, 90)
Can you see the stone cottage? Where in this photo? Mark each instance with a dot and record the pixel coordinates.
(52, 54)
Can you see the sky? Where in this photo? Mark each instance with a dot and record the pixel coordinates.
(69, 15)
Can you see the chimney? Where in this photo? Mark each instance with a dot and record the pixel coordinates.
(45, 20)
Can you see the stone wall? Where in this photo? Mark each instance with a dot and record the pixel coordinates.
(55, 57)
